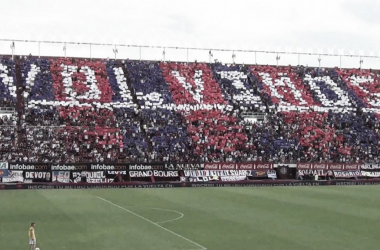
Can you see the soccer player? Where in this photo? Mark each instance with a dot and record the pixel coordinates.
(32, 237)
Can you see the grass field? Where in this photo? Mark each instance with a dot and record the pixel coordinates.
(193, 218)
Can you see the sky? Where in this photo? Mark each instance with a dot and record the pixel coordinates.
(324, 26)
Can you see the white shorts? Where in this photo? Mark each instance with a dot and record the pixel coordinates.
(32, 242)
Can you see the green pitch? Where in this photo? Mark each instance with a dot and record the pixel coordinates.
(193, 218)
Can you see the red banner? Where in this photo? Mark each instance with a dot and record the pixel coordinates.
(263, 166)
(245, 166)
(239, 166)
(304, 166)
(320, 166)
(227, 166)
(351, 166)
(336, 166)
(328, 166)
(212, 166)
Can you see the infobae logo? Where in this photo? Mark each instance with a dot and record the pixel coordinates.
(108, 167)
(64, 167)
(28, 167)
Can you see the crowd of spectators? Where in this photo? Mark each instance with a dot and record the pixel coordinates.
(78, 110)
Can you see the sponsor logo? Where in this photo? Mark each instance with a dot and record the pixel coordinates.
(210, 166)
(107, 167)
(304, 166)
(145, 167)
(246, 166)
(28, 167)
(319, 166)
(336, 166)
(65, 167)
(227, 166)
(351, 166)
(264, 166)
(3, 165)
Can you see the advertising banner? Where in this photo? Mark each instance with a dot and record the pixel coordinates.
(219, 173)
(29, 166)
(146, 166)
(351, 166)
(371, 174)
(70, 167)
(319, 172)
(370, 166)
(115, 167)
(347, 174)
(61, 176)
(184, 166)
(37, 176)
(336, 166)
(3, 165)
(245, 166)
(154, 173)
(13, 176)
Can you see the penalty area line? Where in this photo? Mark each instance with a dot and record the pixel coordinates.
(152, 222)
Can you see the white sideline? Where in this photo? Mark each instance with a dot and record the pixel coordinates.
(154, 223)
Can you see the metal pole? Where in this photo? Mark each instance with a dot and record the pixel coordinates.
(163, 53)
(299, 59)
(187, 55)
(361, 62)
(255, 58)
(233, 57)
(90, 52)
(64, 49)
(13, 49)
(140, 53)
(115, 51)
(277, 58)
(39, 55)
(319, 61)
(340, 62)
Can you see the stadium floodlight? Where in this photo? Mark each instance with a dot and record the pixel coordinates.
(115, 51)
(13, 49)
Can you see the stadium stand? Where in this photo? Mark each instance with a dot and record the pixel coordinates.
(80, 110)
